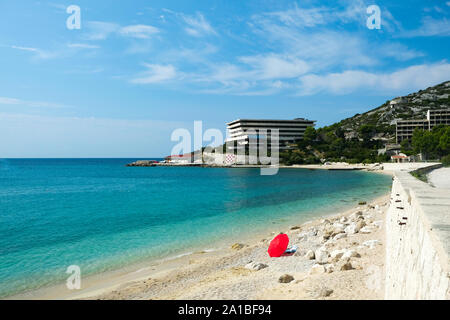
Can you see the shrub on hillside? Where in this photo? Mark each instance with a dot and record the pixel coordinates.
(446, 160)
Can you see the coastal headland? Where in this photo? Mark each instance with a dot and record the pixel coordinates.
(330, 166)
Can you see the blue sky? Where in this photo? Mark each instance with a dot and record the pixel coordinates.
(137, 70)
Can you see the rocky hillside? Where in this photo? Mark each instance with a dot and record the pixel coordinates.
(413, 106)
(359, 138)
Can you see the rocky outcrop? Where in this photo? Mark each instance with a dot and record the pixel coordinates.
(142, 163)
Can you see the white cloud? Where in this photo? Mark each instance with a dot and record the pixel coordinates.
(139, 31)
(275, 67)
(197, 25)
(40, 54)
(430, 27)
(302, 17)
(256, 75)
(37, 104)
(82, 46)
(156, 73)
(398, 51)
(99, 30)
(410, 78)
(342, 12)
(5, 100)
(320, 48)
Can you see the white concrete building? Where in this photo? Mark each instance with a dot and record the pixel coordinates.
(251, 132)
(405, 128)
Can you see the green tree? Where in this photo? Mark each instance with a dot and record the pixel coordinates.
(366, 131)
(444, 142)
(310, 135)
(406, 147)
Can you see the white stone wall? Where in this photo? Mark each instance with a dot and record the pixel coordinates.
(416, 261)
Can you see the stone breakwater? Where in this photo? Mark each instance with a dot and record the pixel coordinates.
(417, 240)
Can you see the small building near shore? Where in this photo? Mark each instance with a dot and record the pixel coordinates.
(180, 158)
(400, 158)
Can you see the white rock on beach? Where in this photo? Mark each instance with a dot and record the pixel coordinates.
(371, 243)
(310, 255)
(365, 230)
(378, 223)
(329, 268)
(317, 269)
(338, 225)
(337, 254)
(355, 215)
(302, 236)
(350, 254)
(340, 236)
(321, 256)
(339, 228)
(255, 266)
(344, 265)
(352, 228)
(329, 243)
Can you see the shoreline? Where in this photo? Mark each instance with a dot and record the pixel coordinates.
(106, 282)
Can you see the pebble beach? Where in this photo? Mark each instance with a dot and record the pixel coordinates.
(339, 257)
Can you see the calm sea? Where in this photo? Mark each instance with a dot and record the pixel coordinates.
(100, 215)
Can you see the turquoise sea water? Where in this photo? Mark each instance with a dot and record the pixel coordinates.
(101, 215)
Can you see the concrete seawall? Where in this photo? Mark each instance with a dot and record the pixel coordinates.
(417, 240)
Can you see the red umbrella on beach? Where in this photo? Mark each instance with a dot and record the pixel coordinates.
(278, 245)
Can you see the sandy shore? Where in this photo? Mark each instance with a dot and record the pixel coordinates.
(232, 273)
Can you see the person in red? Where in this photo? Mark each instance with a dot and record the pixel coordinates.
(278, 245)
